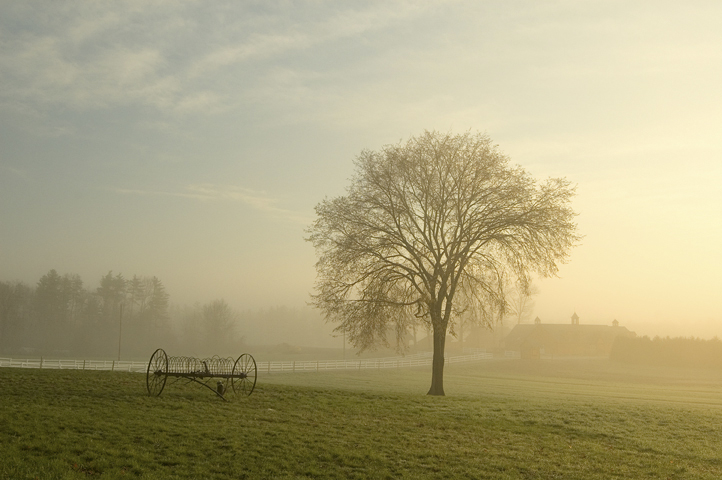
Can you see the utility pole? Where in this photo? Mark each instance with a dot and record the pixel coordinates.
(120, 329)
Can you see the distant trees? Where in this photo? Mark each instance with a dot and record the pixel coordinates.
(16, 311)
(136, 297)
(520, 303)
(60, 316)
(146, 314)
(157, 311)
(77, 298)
(112, 294)
(430, 229)
(211, 329)
(147, 300)
(668, 352)
(59, 303)
(51, 302)
(218, 320)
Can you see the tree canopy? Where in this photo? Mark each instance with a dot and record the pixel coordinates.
(430, 229)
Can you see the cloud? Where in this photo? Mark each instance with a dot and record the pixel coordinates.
(210, 192)
(84, 57)
(43, 74)
(323, 29)
(179, 58)
(15, 171)
(258, 46)
(203, 101)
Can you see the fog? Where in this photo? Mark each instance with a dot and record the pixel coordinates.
(61, 316)
(191, 143)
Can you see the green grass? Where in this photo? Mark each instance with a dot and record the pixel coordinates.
(507, 419)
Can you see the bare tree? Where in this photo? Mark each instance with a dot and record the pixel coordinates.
(520, 304)
(219, 326)
(430, 229)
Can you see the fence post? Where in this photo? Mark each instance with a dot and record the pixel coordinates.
(316, 366)
(112, 367)
(83, 364)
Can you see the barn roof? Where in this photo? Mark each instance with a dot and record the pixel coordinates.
(539, 334)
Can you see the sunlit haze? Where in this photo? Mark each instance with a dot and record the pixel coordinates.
(191, 141)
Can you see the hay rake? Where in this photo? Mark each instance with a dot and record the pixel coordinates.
(241, 373)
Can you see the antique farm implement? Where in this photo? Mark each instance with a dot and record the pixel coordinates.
(240, 373)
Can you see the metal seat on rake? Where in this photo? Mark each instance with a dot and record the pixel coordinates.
(241, 372)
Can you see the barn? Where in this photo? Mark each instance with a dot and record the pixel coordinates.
(575, 339)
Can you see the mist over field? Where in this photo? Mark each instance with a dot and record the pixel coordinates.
(190, 143)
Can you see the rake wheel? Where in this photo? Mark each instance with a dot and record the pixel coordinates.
(243, 379)
(157, 373)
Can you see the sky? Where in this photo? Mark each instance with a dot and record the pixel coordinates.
(191, 140)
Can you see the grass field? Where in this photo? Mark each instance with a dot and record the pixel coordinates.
(581, 419)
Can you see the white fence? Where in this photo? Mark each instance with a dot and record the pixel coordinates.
(113, 365)
(363, 364)
(417, 360)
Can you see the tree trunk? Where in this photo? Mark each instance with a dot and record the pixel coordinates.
(437, 366)
(461, 337)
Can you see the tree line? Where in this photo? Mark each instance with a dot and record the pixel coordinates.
(668, 352)
(121, 316)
